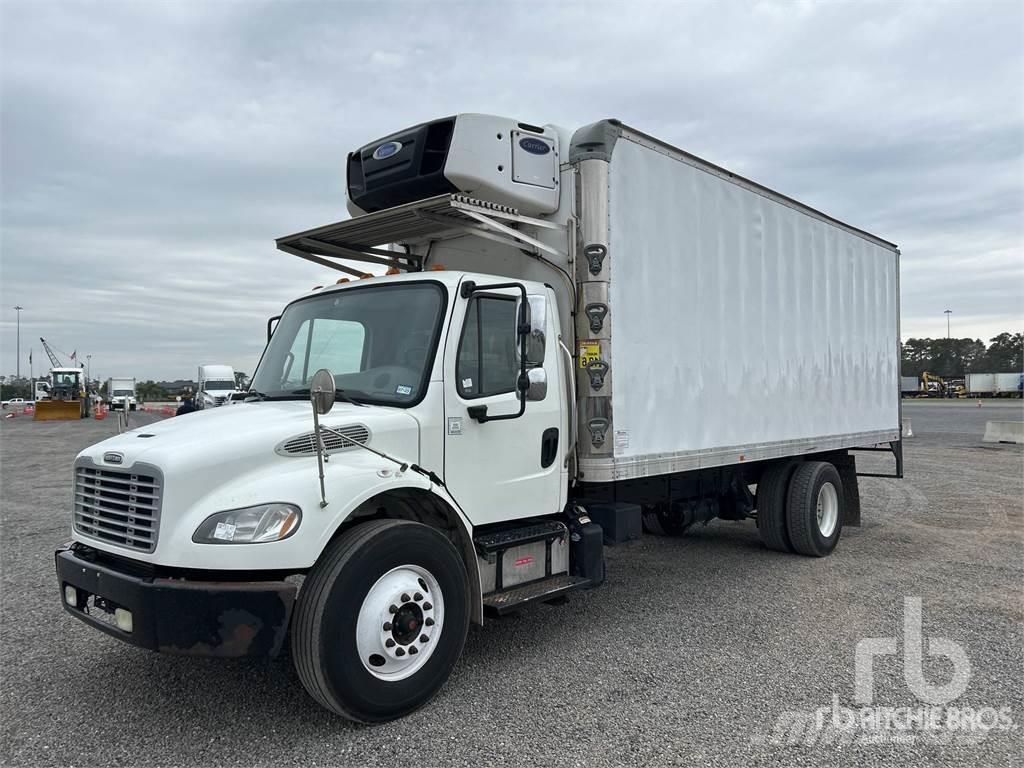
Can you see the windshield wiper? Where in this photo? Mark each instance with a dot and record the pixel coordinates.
(252, 394)
(338, 393)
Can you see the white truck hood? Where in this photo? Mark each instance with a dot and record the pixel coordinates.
(230, 458)
(248, 433)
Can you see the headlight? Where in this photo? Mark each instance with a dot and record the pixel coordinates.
(251, 525)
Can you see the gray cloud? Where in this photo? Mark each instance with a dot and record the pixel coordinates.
(151, 152)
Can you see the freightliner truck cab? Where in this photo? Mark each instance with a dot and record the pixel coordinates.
(434, 489)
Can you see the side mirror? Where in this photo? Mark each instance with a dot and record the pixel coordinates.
(538, 388)
(321, 391)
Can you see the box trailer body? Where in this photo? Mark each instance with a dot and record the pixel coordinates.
(980, 383)
(737, 319)
(910, 385)
(578, 333)
(121, 393)
(1008, 383)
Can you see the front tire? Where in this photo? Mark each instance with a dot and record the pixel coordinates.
(381, 620)
(814, 508)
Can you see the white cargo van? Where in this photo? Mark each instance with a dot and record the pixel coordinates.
(580, 333)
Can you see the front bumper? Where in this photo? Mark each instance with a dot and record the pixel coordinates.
(196, 618)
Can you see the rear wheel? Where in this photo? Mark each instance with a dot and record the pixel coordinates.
(381, 620)
(814, 508)
(771, 507)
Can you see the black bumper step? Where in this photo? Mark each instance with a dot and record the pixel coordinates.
(498, 603)
(513, 537)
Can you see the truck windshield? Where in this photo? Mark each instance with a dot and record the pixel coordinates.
(124, 393)
(377, 340)
(211, 385)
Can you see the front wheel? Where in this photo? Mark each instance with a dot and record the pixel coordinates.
(381, 620)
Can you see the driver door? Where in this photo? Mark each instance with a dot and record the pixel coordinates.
(502, 470)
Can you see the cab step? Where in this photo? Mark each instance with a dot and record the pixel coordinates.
(500, 603)
(497, 541)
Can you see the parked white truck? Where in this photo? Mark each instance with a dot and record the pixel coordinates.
(215, 385)
(579, 333)
(121, 393)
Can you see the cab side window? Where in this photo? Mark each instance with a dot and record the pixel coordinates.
(486, 363)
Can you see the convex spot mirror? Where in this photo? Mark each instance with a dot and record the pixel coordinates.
(538, 388)
(321, 391)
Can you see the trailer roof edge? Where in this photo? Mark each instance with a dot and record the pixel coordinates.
(596, 141)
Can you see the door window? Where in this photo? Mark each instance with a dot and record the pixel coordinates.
(487, 363)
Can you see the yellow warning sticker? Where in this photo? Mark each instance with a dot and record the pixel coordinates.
(589, 352)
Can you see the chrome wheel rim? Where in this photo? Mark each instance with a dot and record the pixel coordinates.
(828, 509)
(400, 622)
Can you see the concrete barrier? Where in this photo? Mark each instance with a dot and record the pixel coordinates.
(908, 431)
(1004, 432)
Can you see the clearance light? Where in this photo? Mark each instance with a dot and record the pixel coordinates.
(342, 280)
(392, 271)
(437, 267)
(365, 275)
(317, 287)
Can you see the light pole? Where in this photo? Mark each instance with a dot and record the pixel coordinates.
(88, 368)
(18, 308)
(947, 313)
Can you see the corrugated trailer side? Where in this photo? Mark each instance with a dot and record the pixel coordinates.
(740, 324)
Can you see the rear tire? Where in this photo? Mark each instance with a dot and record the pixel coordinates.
(771, 507)
(346, 602)
(814, 508)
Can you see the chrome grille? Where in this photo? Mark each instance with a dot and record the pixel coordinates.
(305, 445)
(119, 506)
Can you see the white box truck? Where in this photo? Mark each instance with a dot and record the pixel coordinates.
(909, 385)
(215, 386)
(121, 393)
(579, 333)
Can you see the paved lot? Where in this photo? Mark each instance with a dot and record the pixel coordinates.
(690, 655)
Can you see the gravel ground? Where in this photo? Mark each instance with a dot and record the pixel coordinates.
(690, 654)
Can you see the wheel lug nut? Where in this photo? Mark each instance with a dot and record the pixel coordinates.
(405, 598)
(387, 626)
(413, 650)
(423, 638)
(429, 622)
(400, 652)
(427, 606)
(389, 643)
(417, 597)
(392, 609)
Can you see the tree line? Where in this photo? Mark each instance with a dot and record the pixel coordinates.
(955, 357)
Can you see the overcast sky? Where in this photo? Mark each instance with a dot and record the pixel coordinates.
(152, 152)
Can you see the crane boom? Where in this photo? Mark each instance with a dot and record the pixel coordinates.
(54, 360)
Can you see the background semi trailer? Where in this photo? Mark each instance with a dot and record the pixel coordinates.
(121, 393)
(579, 333)
(215, 385)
